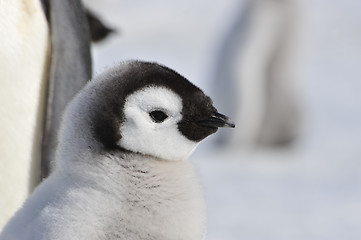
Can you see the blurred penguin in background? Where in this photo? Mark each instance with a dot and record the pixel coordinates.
(256, 68)
(45, 60)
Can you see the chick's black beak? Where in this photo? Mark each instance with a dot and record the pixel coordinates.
(217, 120)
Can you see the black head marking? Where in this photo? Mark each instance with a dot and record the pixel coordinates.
(196, 107)
(126, 79)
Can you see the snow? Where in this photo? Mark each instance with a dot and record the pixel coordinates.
(310, 191)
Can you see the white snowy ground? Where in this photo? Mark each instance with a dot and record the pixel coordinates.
(312, 191)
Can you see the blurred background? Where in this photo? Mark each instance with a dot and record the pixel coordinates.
(288, 73)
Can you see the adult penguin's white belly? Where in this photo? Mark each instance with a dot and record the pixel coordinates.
(23, 59)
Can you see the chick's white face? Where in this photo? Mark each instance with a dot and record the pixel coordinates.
(150, 125)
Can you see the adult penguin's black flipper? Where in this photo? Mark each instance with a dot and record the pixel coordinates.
(70, 67)
(98, 30)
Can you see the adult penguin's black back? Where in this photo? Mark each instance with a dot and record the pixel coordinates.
(70, 67)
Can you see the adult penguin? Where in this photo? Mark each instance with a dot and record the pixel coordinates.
(257, 68)
(44, 63)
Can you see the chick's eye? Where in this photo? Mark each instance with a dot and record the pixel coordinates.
(158, 116)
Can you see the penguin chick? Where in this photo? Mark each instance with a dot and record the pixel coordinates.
(121, 167)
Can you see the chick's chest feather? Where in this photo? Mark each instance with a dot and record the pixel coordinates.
(159, 197)
(149, 180)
